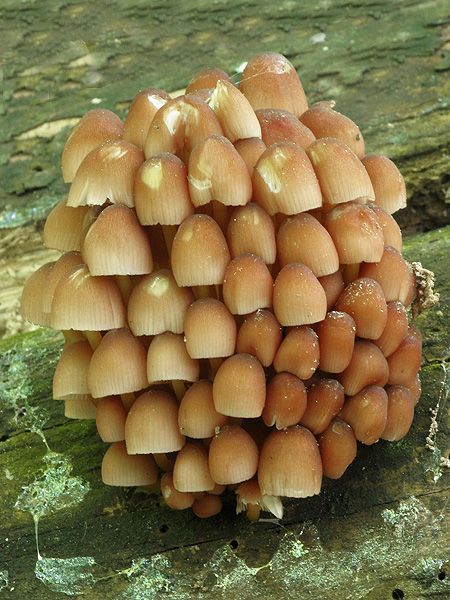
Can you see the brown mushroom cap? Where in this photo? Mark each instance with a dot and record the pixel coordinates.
(210, 329)
(233, 456)
(247, 285)
(234, 112)
(157, 304)
(239, 387)
(341, 174)
(197, 415)
(116, 244)
(200, 253)
(337, 445)
(290, 464)
(298, 297)
(251, 231)
(366, 413)
(328, 123)
(63, 227)
(152, 424)
(284, 180)
(140, 115)
(285, 402)
(282, 126)
(121, 469)
(87, 303)
(269, 80)
(106, 173)
(162, 177)
(303, 239)
(118, 365)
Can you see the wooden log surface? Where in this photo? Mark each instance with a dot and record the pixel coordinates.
(380, 532)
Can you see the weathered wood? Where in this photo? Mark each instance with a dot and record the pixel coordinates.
(382, 527)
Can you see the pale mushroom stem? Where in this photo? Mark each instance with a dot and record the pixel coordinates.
(159, 248)
(220, 214)
(94, 338)
(124, 284)
(169, 232)
(204, 291)
(215, 364)
(128, 399)
(253, 511)
(71, 335)
(179, 388)
(351, 273)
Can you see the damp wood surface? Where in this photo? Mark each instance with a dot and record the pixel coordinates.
(384, 526)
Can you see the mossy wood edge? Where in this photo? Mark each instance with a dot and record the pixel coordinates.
(343, 533)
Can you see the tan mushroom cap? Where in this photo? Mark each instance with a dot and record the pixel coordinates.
(387, 181)
(207, 78)
(122, 469)
(71, 373)
(180, 125)
(251, 231)
(87, 303)
(161, 191)
(157, 304)
(282, 126)
(107, 173)
(239, 387)
(284, 180)
(328, 123)
(298, 297)
(217, 172)
(233, 456)
(152, 424)
(191, 470)
(87, 135)
(260, 335)
(341, 174)
(269, 80)
(210, 329)
(366, 413)
(140, 115)
(118, 365)
(31, 301)
(336, 334)
(200, 253)
(197, 415)
(168, 359)
(363, 299)
(325, 399)
(337, 445)
(290, 464)
(285, 402)
(302, 239)
(234, 112)
(110, 419)
(247, 285)
(63, 227)
(298, 353)
(116, 244)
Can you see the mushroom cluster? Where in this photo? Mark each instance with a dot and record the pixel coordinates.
(231, 289)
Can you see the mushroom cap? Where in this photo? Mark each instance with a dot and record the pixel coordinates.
(152, 424)
(290, 464)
